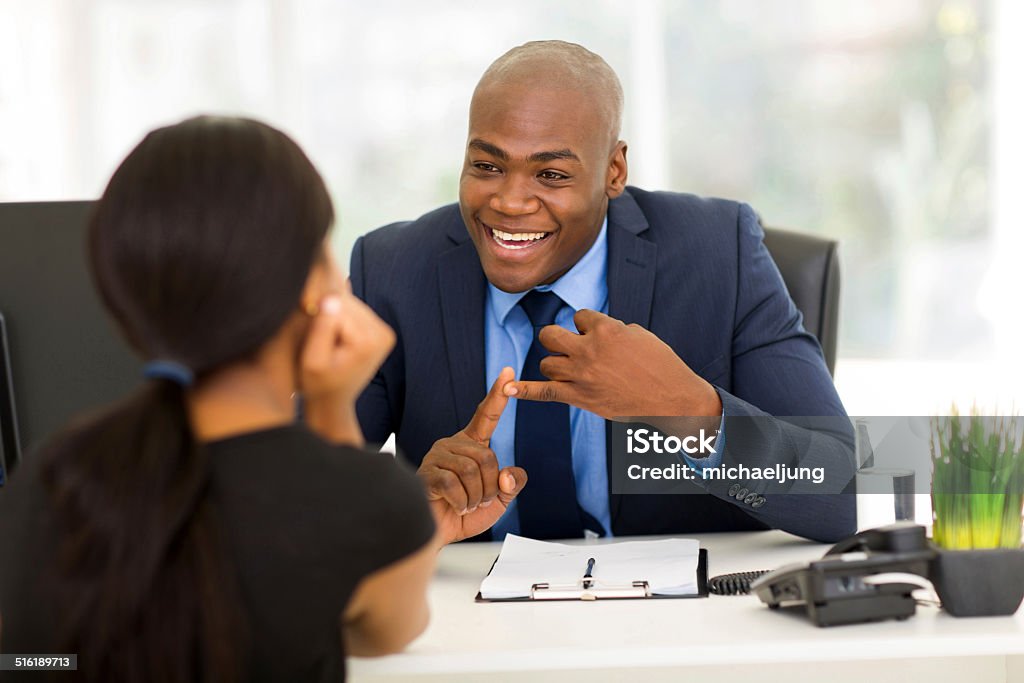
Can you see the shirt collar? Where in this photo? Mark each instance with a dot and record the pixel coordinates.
(585, 285)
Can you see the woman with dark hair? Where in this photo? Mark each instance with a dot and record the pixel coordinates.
(197, 530)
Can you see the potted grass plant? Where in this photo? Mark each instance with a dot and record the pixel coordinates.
(978, 513)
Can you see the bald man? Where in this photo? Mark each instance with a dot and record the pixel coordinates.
(553, 298)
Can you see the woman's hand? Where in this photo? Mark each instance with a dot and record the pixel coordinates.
(346, 344)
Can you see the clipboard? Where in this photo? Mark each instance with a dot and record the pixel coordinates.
(637, 590)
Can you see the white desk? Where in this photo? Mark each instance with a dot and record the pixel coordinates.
(718, 638)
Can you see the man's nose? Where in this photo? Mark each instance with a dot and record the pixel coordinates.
(514, 197)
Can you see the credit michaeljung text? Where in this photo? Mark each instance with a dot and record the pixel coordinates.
(779, 474)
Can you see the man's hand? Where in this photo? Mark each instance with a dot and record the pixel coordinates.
(467, 493)
(616, 370)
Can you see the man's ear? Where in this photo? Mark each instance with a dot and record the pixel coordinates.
(618, 170)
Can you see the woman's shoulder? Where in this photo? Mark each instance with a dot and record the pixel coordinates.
(371, 506)
(295, 450)
(294, 463)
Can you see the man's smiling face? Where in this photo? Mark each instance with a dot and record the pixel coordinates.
(540, 166)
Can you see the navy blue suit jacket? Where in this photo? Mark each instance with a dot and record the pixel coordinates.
(693, 271)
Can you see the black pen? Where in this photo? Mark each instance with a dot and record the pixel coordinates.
(588, 578)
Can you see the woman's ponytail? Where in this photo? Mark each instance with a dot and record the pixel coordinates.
(200, 248)
(148, 593)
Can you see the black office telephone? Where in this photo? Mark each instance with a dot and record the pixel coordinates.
(846, 587)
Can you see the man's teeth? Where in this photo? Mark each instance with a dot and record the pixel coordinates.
(518, 237)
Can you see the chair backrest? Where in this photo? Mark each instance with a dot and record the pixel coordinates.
(810, 268)
(66, 357)
(10, 445)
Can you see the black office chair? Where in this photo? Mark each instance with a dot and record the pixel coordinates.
(810, 268)
(66, 355)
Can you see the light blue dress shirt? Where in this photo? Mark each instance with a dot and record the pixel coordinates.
(507, 338)
(508, 335)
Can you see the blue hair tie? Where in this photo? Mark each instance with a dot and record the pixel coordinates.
(170, 371)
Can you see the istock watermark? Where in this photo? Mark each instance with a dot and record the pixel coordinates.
(651, 441)
(757, 455)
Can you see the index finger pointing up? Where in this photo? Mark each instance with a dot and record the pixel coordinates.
(487, 414)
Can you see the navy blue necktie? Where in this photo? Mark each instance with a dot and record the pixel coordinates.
(543, 445)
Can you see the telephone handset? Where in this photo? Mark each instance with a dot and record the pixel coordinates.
(901, 538)
(843, 587)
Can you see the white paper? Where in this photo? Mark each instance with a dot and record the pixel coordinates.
(669, 566)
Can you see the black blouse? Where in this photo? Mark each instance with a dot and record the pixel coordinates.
(304, 522)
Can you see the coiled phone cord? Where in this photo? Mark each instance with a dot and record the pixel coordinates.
(734, 584)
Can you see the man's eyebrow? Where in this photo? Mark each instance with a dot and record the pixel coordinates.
(498, 152)
(488, 148)
(553, 155)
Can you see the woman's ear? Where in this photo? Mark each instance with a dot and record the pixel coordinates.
(324, 278)
(313, 291)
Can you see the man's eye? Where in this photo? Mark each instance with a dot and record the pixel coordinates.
(484, 166)
(553, 175)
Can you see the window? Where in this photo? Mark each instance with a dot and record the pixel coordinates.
(889, 126)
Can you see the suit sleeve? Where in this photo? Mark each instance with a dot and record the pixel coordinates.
(778, 366)
(373, 407)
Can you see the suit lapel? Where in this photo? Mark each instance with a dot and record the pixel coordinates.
(632, 264)
(462, 289)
